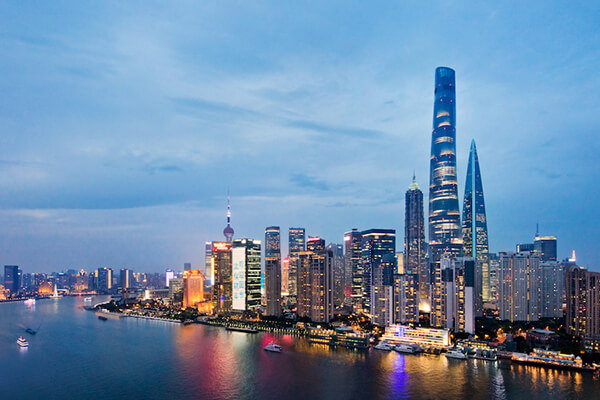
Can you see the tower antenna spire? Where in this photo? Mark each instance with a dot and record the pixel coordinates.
(228, 231)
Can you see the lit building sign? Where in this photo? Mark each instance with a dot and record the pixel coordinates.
(221, 246)
(238, 281)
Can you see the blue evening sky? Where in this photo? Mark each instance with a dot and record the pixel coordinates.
(124, 123)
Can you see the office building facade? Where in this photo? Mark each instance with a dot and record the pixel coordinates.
(354, 268)
(444, 215)
(414, 238)
(246, 265)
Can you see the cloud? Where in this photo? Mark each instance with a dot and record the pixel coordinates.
(335, 131)
(309, 182)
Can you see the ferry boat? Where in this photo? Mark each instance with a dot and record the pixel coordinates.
(552, 359)
(29, 302)
(30, 331)
(241, 329)
(406, 348)
(275, 348)
(456, 354)
(22, 342)
(383, 345)
(87, 300)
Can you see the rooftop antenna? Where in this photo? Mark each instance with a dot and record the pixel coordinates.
(537, 229)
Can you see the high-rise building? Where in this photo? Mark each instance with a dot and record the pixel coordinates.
(297, 244)
(522, 247)
(545, 246)
(494, 268)
(209, 272)
(187, 266)
(246, 254)
(552, 289)
(228, 231)
(315, 285)
(382, 291)
(376, 243)
(11, 278)
(126, 278)
(193, 287)
(406, 298)
(519, 286)
(444, 215)
(459, 288)
(414, 238)
(272, 242)
(104, 279)
(285, 274)
(583, 301)
(222, 289)
(169, 274)
(354, 268)
(273, 271)
(475, 233)
(339, 275)
(315, 243)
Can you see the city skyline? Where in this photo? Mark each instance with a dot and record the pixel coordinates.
(136, 175)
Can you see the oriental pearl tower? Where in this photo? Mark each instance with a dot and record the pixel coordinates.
(228, 231)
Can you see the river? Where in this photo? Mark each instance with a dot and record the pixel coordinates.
(75, 355)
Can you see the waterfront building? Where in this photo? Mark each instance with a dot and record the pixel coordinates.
(444, 215)
(315, 285)
(246, 261)
(423, 337)
(228, 231)
(414, 238)
(297, 244)
(376, 243)
(545, 246)
(222, 289)
(208, 267)
(176, 289)
(519, 286)
(459, 289)
(273, 271)
(354, 268)
(406, 298)
(11, 278)
(583, 302)
(475, 233)
(82, 281)
(494, 267)
(339, 276)
(104, 279)
(551, 289)
(126, 278)
(4, 293)
(193, 288)
(383, 307)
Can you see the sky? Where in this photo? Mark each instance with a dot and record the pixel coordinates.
(124, 124)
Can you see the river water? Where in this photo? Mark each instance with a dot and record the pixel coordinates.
(76, 356)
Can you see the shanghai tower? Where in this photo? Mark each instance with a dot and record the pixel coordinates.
(474, 225)
(444, 215)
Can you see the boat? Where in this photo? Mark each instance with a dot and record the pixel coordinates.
(456, 354)
(87, 300)
(275, 348)
(30, 331)
(383, 345)
(102, 318)
(241, 329)
(22, 342)
(406, 348)
(188, 321)
(436, 351)
(488, 355)
(29, 302)
(551, 359)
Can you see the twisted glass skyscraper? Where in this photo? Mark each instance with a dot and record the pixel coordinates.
(474, 225)
(444, 215)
